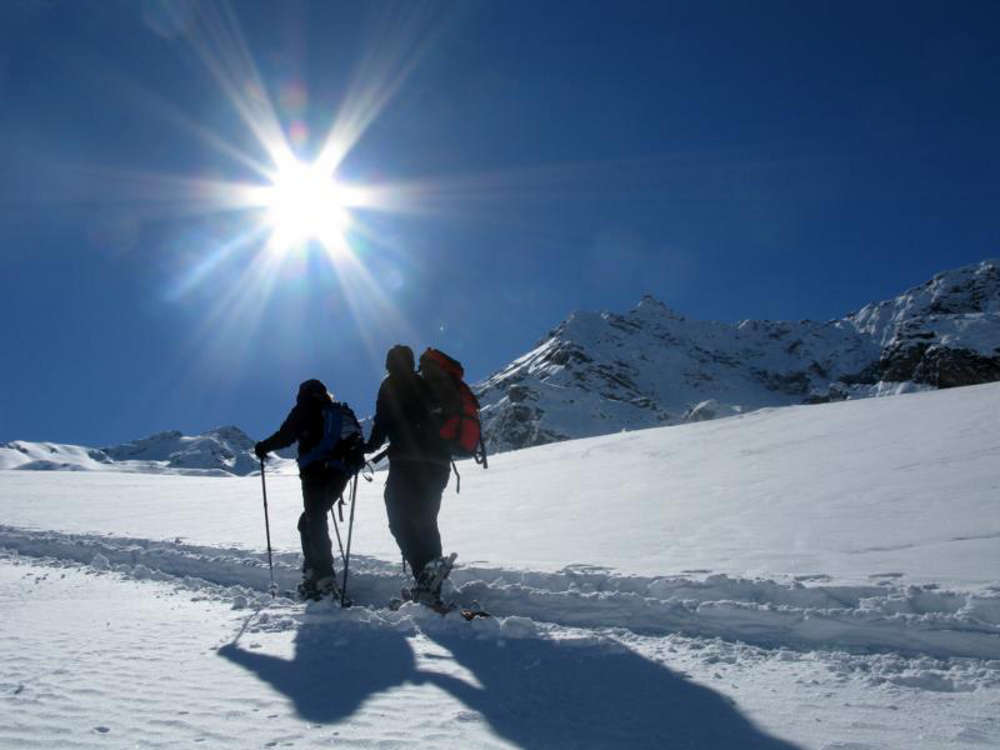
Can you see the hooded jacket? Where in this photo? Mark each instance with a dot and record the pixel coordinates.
(304, 424)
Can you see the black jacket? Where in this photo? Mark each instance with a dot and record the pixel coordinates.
(403, 415)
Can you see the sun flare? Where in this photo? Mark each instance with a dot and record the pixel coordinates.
(303, 203)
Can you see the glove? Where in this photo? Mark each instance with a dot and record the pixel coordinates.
(260, 450)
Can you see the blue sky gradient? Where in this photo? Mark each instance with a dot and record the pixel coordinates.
(782, 160)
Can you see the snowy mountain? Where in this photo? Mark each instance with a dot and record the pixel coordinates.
(222, 451)
(597, 373)
(815, 578)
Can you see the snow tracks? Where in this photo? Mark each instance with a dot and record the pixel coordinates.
(801, 616)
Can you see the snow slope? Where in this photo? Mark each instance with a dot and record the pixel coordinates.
(824, 577)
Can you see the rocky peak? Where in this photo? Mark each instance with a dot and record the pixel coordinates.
(969, 290)
(650, 308)
(603, 372)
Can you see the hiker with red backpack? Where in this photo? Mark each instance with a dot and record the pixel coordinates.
(414, 412)
(331, 451)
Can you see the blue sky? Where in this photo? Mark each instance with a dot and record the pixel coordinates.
(736, 160)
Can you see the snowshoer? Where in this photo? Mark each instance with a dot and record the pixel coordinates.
(419, 467)
(330, 445)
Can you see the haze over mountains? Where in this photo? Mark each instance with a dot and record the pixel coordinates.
(597, 373)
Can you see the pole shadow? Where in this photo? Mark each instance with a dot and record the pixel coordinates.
(540, 693)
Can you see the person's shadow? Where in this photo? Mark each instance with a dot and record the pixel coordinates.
(535, 692)
(335, 667)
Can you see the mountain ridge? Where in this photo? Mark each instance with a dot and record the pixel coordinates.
(221, 451)
(601, 372)
(652, 366)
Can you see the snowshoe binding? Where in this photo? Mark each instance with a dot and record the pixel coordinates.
(427, 590)
(322, 588)
(473, 612)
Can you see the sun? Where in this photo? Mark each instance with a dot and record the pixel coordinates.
(305, 203)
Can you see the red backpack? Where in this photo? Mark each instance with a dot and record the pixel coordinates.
(454, 404)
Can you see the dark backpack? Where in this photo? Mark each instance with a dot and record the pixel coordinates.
(454, 406)
(342, 445)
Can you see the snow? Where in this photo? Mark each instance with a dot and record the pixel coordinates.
(969, 289)
(222, 451)
(809, 576)
(597, 373)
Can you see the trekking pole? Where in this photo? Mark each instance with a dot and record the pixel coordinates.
(267, 530)
(336, 529)
(350, 531)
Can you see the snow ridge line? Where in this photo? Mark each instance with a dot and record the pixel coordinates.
(907, 620)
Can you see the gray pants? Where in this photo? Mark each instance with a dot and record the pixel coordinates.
(412, 501)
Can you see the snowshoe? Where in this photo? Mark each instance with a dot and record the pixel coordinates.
(430, 599)
(470, 613)
(315, 590)
(432, 576)
(398, 601)
(474, 611)
(420, 596)
(427, 590)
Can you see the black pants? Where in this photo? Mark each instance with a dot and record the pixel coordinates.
(318, 496)
(412, 501)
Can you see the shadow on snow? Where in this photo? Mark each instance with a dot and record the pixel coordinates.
(536, 693)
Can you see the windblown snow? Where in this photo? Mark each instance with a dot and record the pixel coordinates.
(819, 576)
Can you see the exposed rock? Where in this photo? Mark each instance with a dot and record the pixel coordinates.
(900, 360)
(596, 373)
(792, 383)
(944, 367)
(518, 393)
